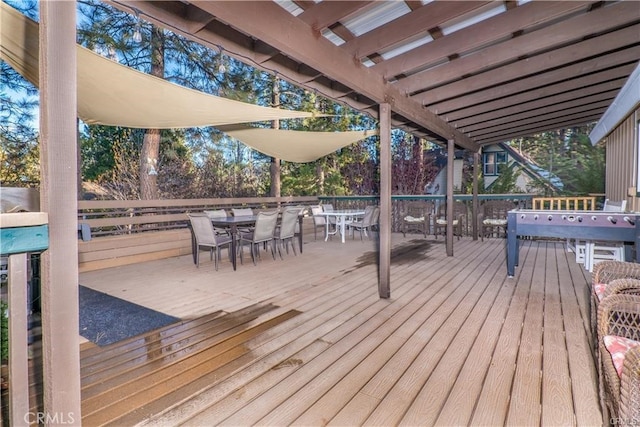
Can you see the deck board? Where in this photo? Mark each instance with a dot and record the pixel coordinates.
(492, 404)
(461, 399)
(457, 343)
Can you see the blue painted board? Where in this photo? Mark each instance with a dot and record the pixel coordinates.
(18, 240)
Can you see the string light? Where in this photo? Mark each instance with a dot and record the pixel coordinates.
(221, 67)
(137, 35)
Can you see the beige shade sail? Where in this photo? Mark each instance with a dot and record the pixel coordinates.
(113, 94)
(294, 146)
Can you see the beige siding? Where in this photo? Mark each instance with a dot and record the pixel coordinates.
(622, 159)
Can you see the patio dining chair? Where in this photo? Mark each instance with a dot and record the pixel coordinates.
(243, 212)
(366, 223)
(206, 237)
(262, 233)
(318, 220)
(286, 231)
(218, 213)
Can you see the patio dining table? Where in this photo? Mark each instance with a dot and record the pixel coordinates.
(233, 222)
(343, 218)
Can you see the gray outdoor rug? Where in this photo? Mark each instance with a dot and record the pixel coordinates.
(105, 319)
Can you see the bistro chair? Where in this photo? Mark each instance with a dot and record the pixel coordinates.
(589, 253)
(363, 225)
(263, 232)
(206, 237)
(619, 358)
(417, 216)
(318, 220)
(328, 207)
(286, 231)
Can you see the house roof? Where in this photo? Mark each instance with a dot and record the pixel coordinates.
(478, 72)
(533, 169)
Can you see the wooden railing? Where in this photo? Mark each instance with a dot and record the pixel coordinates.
(21, 234)
(118, 232)
(584, 203)
(398, 205)
(116, 217)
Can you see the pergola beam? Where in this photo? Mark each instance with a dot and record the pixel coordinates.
(270, 23)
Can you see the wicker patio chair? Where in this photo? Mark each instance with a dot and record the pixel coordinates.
(604, 273)
(618, 333)
(492, 218)
(417, 216)
(206, 237)
(440, 223)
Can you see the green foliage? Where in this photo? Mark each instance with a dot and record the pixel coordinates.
(568, 154)
(506, 181)
(4, 332)
(19, 155)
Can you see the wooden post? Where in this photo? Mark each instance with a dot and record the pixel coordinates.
(18, 368)
(58, 197)
(384, 288)
(475, 205)
(450, 161)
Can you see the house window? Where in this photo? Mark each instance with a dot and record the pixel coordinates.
(494, 162)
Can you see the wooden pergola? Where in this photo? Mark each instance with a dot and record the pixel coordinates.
(460, 73)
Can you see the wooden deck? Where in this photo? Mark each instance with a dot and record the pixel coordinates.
(307, 341)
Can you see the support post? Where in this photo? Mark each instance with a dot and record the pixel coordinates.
(58, 197)
(384, 288)
(450, 161)
(475, 204)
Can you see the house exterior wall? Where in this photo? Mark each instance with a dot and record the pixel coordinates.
(522, 181)
(621, 177)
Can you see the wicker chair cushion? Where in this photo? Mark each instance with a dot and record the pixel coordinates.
(410, 218)
(491, 221)
(599, 289)
(617, 348)
(443, 221)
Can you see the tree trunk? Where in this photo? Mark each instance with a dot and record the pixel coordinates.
(320, 177)
(151, 144)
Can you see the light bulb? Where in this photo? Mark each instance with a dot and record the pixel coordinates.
(137, 37)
